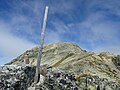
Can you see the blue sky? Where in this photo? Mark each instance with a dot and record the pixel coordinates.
(92, 24)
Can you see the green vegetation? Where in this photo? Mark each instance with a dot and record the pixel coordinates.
(58, 63)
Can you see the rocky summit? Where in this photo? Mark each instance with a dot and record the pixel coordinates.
(68, 67)
(16, 77)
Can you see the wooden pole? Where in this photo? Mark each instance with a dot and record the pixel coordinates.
(37, 76)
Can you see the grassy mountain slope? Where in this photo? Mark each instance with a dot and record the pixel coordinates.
(71, 57)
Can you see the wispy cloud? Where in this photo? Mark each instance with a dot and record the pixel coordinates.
(93, 24)
(52, 37)
(115, 49)
(11, 45)
(102, 26)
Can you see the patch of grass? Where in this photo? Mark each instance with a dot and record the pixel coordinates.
(81, 57)
(84, 56)
(58, 63)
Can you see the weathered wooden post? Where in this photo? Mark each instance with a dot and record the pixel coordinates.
(37, 76)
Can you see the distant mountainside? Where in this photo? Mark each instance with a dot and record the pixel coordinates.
(71, 58)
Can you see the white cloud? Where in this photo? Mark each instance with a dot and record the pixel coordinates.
(115, 49)
(11, 45)
(100, 27)
(92, 29)
(109, 6)
(60, 27)
(62, 6)
(51, 37)
(100, 33)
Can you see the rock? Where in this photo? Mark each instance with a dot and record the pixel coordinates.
(21, 78)
(15, 77)
(57, 79)
(116, 61)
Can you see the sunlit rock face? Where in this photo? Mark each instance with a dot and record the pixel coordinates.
(91, 70)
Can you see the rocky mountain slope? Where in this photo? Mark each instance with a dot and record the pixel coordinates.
(96, 69)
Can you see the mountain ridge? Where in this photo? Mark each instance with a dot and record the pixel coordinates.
(70, 57)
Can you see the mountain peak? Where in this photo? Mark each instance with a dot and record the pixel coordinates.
(70, 57)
